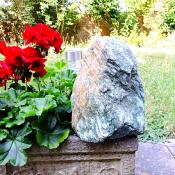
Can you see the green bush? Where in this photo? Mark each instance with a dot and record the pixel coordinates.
(62, 15)
(168, 24)
(107, 14)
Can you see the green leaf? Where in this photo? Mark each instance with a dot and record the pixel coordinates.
(12, 119)
(49, 133)
(26, 111)
(13, 95)
(19, 117)
(44, 104)
(53, 139)
(3, 134)
(12, 150)
(9, 98)
(50, 72)
(60, 65)
(4, 103)
(26, 95)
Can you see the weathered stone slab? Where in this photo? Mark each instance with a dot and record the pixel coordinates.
(75, 157)
(154, 159)
(108, 97)
(171, 146)
(2, 170)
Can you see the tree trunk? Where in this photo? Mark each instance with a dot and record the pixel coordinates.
(105, 28)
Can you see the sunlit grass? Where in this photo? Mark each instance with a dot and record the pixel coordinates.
(157, 70)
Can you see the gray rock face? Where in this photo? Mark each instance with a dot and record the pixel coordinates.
(108, 97)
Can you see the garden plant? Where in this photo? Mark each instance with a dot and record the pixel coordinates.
(35, 102)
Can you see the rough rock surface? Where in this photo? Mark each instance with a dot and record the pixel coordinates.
(75, 157)
(108, 97)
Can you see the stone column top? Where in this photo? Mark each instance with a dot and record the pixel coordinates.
(75, 145)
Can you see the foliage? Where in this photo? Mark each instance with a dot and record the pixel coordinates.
(11, 21)
(140, 8)
(168, 24)
(48, 112)
(108, 15)
(129, 26)
(137, 12)
(39, 108)
(136, 39)
(48, 134)
(12, 150)
(62, 15)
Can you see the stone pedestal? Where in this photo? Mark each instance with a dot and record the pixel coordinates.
(74, 157)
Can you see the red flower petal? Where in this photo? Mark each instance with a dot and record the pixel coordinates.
(37, 64)
(2, 47)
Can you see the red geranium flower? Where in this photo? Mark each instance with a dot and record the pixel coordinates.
(14, 57)
(37, 64)
(30, 52)
(44, 36)
(23, 61)
(5, 73)
(2, 47)
(21, 64)
(41, 74)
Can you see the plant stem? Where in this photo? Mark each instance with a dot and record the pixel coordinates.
(16, 84)
(26, 88)
(39, 89)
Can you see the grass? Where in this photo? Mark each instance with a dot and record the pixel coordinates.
(157, 70)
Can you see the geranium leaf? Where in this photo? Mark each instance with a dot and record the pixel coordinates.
(26, 95)
(60, 65)
(18, 117)
(53, 139)
(3, 134)
(10, 98)
(44, 104)
(12, 150)
(49, 133)
(26, 111)
(13, 94)
(11, 120)
(4, 103)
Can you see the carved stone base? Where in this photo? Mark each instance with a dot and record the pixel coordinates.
(74, 157)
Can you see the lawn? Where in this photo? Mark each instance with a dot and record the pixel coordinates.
(157, 69)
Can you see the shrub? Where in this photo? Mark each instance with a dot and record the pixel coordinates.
(168, 24)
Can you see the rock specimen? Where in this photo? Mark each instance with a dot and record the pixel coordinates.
(108, 97)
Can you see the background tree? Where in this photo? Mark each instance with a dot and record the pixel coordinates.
(107, 14)
(11, 21)
(168, 24)
(140, 9)
(62, 15)
(79, 19)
